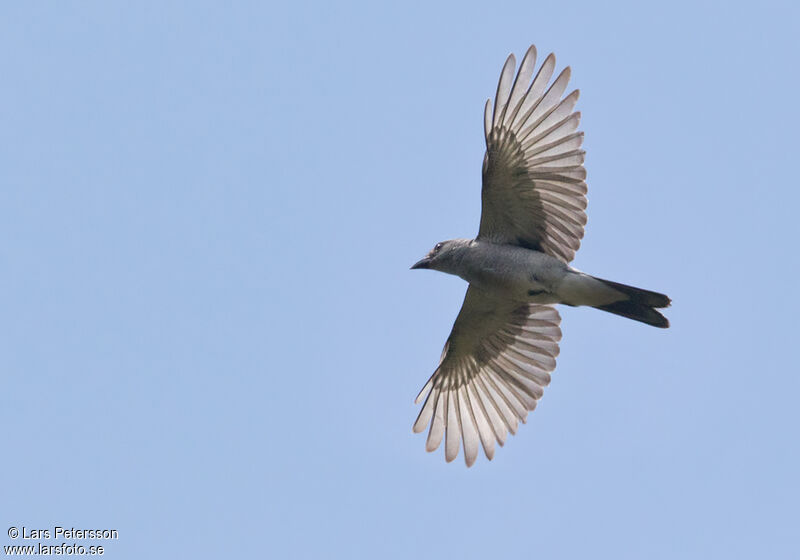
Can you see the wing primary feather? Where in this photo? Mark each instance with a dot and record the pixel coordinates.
(481, 419)
(452, 437)
(551, 98)
(521, 84)
(548, 104)
(469, 431)
(503, 88)
(426, 388)
(436, 431)
(487, 120)
(554, 115)
(535, 90)
(425, 414)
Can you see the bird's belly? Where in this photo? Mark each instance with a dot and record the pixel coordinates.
(517, 284)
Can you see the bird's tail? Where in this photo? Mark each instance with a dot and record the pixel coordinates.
(639, 305)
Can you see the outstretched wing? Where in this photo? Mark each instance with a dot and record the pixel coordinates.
(533, 176)
(493, 370)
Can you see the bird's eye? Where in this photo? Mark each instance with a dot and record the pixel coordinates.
(438, 246)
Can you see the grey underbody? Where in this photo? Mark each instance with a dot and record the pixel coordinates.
(525, 275)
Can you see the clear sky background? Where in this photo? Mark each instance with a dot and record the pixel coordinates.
(211, 341)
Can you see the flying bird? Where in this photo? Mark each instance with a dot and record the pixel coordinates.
(504, 342)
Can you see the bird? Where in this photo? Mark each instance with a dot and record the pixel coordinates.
(505, 340)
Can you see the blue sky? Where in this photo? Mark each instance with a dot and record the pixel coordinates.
(210, 338)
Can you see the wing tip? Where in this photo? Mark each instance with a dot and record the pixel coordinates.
(469, 460)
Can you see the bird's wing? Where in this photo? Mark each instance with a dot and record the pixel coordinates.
(534, 189)
(493, 369)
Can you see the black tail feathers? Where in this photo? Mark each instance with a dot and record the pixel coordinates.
(640, 306)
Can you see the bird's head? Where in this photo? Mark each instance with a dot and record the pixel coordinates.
(444, 256)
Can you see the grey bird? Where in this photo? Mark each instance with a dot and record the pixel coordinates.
(504, 342)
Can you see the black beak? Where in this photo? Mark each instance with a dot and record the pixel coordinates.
(424, 263)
